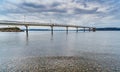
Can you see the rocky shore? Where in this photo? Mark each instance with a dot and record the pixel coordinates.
(54, 64)
(11, 29)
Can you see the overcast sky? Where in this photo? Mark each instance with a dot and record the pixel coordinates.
(99, 13)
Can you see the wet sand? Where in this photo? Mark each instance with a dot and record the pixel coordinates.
(54, 64)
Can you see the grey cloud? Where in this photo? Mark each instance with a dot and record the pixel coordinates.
(33, 5)
(83, 11)
(55, 4)
(26, 7)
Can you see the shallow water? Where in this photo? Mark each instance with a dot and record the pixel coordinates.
(99, 46)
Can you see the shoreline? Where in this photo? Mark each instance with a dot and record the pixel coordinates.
(11, 29)
(54, 64)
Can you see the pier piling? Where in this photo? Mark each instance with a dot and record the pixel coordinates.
(84, 29)
(76, 29)
(89, 29)
(26, 30)
(52, 29)
(66, 29)
(94, 29)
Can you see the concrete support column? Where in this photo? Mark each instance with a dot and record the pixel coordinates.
(89, 29)
(76, 29)
(26, 30)
(66, 29)
(84, 29)
(94, 29)
(52, 29)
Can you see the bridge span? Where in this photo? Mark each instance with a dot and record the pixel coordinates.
(27, 24)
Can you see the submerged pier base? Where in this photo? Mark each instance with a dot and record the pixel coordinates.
(52, 30)
(76, 29)
(26, 30)
(84, 29)
(67, 29)
(94, 29)
(89, 29)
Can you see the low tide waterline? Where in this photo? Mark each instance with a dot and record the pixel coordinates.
(72, 52)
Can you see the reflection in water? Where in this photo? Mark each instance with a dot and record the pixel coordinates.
(51, 35)
(67, 32)
(51, 32)
(66, 35)
(27, 34)
(66, 44)
(27, 39)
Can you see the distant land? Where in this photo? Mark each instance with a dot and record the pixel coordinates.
(97, 29)
(16, 29)
(11, 29)
(108, 29)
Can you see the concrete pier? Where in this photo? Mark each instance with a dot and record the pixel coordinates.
(26, 24)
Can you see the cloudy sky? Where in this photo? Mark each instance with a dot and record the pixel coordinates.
(99, 13)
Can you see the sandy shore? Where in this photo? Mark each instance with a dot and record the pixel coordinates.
(53, 64)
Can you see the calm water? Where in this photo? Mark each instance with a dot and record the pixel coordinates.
(94, 45)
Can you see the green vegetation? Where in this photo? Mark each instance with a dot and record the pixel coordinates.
(11, 29)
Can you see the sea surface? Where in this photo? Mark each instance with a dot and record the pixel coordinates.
(101, 46)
